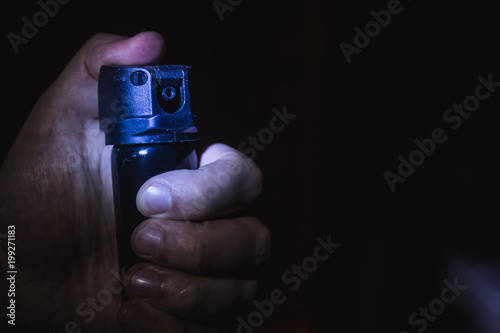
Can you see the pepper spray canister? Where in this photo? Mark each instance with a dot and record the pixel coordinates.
(145, 113)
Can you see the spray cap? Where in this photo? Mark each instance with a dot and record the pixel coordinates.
(145, 104)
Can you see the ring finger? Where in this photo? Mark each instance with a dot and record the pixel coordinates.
(185, 294)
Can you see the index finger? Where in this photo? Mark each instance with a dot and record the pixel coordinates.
(226, 181)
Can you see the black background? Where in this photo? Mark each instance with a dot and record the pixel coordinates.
(324, 172)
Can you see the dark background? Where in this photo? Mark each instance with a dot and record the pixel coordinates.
(324, 172)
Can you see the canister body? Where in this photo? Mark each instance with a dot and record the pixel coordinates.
(132, 166)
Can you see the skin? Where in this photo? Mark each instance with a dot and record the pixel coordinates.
(55, 187)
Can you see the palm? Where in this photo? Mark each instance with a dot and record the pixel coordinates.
(63, 214)
(55, 188)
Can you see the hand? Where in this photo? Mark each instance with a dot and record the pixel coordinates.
(55, 188)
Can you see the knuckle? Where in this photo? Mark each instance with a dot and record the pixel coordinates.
(96, 40)
(254, 177)
(198, 254)
(246, 171)
(187, 297)
(195, 207)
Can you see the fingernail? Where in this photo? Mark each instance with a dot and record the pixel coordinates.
(155, 200)
(147, 241)
(145, 284)
(137, 318)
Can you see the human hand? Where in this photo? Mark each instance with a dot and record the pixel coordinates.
(55, 188)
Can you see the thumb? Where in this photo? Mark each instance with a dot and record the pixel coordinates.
(107, 49)
(76, 87)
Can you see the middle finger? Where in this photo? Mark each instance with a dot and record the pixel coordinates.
(215, 246)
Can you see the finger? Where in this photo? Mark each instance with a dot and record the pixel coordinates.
(215, 246)
(227, 180)
(76, 87)
(138, 316)
(184, 294)
(107, 49)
